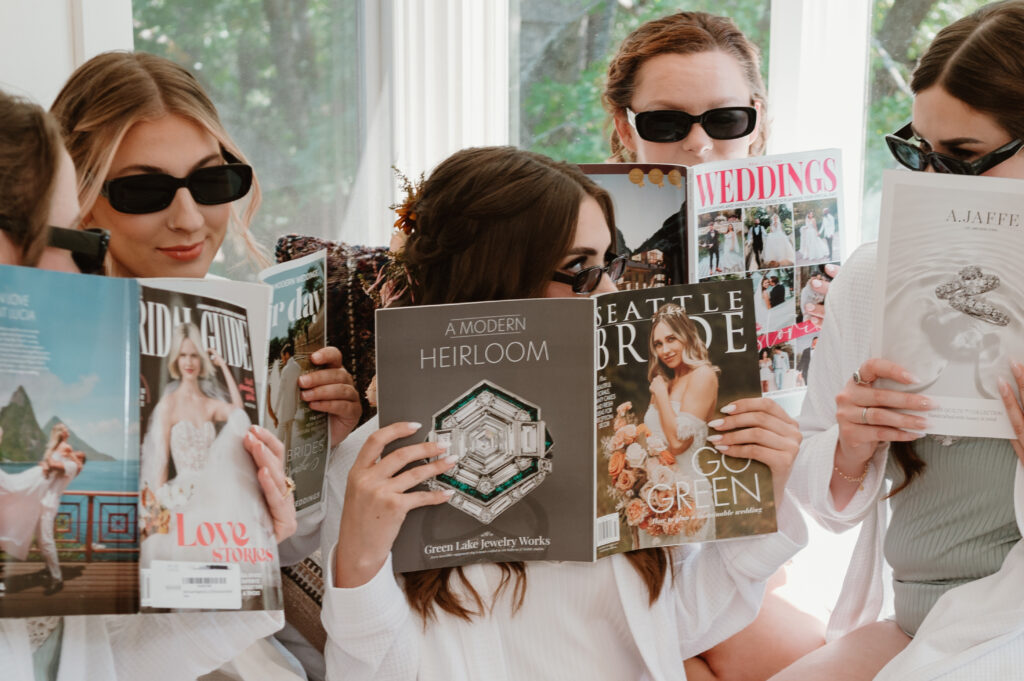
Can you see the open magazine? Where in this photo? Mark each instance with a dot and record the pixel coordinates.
(124, 483)
(948, 294)
(562, 450)
(775, 220)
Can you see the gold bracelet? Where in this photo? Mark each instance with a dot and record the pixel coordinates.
(850, 478)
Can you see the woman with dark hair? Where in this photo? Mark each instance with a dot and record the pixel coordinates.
(628, 616)
(953, 536)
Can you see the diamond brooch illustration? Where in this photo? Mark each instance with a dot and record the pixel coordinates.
(964, 295)
(503, 450)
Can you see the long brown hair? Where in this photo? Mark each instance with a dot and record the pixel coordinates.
(681, 33)
(30, 150)
(493, 223)
(695, 353)
(113, 91)
(978, 59)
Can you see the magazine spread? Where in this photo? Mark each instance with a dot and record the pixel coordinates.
(297, 321)
(775, 220)
(509, 385)
(948, 294)
(669, 360)
(513, 387)
(124, 485)
(69, 461)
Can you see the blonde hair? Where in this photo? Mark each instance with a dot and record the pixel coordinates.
(183, 332)
(113, 91)
(695, 354)
(58, 434)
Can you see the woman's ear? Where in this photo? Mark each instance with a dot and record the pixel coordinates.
(755, 136)
(625, 130)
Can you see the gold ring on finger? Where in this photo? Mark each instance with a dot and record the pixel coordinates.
(289, 485)
(864, 416)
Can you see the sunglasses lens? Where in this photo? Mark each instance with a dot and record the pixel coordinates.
(907, 154)
(729, 123)
(220, 184)
(663, 126)
(616, 269)
(141, 193)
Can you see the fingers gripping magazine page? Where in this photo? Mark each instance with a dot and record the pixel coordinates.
(949, 295)
(206, 539)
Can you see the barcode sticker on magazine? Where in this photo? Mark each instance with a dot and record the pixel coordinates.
(607, 529)
(182, 584)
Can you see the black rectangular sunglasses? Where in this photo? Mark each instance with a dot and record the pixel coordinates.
(722, 123)
(153, 192)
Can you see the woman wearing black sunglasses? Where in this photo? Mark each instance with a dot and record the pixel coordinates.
(687, 89)
(953, 537)
(37, 189)
(499, 223)
(159, 171)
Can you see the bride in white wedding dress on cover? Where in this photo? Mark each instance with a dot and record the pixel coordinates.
(778, 249)
(732, 256)
(215, 479)
(812, 246)
(684, 393)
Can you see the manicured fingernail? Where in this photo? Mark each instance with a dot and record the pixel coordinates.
(316, 356)
(1004, 388)
(910, 378)
(449, 493)
(830, 269)
(716, 422)
(450, 460)
(722, 448)
(306, 394)
(304, 380)
(442, 446)
(1016, 367)
(413, 425)
(729, 408)
(714, 438)
(250, 437)
(925, 403)
(816, 283)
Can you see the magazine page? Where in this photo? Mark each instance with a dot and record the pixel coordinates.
(69, 457)
(949, 294)
(650, 218)
(297, 329)
(777, 221)
(668, 360)
(207, 540)
(509, 385)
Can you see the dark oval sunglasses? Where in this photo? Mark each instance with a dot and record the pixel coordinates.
(88, 246)
(914, 157)
(586, 280)
(723, 123)
(153, 192)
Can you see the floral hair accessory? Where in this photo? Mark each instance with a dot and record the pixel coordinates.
(406, 210)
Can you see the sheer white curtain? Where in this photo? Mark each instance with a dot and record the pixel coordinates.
(818, 93)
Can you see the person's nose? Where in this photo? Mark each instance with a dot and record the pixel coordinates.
(184, 214)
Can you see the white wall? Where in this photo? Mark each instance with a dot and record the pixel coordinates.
(43, 41)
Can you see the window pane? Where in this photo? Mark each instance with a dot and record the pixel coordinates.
(285, 77)
(901, 31)
(564, 50)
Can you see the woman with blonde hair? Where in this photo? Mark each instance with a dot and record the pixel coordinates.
(684, 392)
